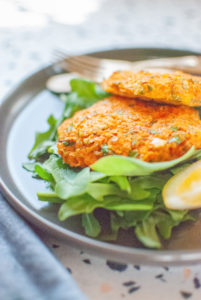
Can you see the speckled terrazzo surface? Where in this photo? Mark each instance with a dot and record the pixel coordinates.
(102, 279)
(27, 41)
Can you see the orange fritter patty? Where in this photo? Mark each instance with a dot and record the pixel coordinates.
(173, 88)
(149, 131)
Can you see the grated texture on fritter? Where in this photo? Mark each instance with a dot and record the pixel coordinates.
(172, 88)
(117, 125)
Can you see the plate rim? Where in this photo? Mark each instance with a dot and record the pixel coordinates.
(108, 250)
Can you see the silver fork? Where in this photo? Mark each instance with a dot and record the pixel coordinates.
(96, 69)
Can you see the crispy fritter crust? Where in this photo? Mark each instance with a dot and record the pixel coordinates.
(173, 88)
(117, 125)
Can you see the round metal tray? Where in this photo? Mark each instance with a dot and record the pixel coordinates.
(23, 113)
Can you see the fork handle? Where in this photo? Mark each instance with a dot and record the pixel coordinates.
(190, 64)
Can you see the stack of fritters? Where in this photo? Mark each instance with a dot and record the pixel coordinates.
(128, 124)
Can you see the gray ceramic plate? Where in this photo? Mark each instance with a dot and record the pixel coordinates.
(22, 114)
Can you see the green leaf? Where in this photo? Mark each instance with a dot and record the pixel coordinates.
(164, 223)
(43, 140)
(29, 166)
(180, 215)
(116, 222)
(138, 193)
(146, 233)
(91, 225)
(125, 221)
(50, 197)
(116, 165)
(99, 190)
(43, 173)
(118, 203)
(88, 90)
(94, 176)
(150, 181)
(178, 169)
(68, 182)
(86, 204)
(72, 104)
(53, 149)
(77, 205)
(72, 185)
(128, 219)
(134, 217)
(122, 182)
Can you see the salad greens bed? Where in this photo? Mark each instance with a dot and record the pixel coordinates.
(128, 188)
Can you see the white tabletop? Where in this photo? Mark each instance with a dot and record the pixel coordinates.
(30, 31)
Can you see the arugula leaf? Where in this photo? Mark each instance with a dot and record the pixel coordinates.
(125, 204)
(126, 166)
(88, 90)
(91, 225)
(127, 220)
(73, 185)
(87, 204)
(69, 183)
(122, 182)
(43, 173)
(138, 193)
(163, 221)
(180, 215)
(150, 181)
(84, 193)
(146, 233)
(178, 169)
(50, 197)
(166, 221)
(99, 190)
(77, 205)
(94, 176)
(29, 166)
(116, 223)
(53, 149)
(43, 140)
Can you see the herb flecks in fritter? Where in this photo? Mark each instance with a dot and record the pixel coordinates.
(148, 131)
(176, 88)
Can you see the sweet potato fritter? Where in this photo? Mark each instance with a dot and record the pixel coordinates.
(117, 125)
(173, 88)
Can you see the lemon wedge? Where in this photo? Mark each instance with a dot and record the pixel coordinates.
(183, 191)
